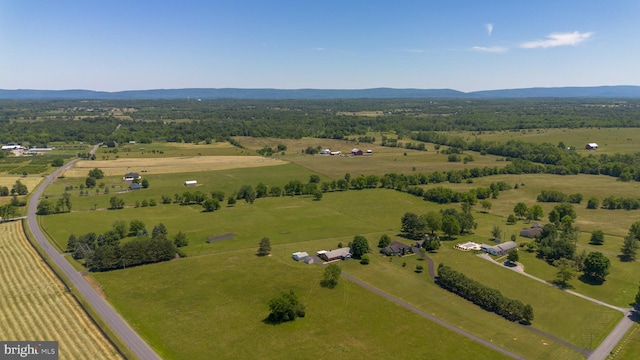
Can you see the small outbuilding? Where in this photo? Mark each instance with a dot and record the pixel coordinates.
(191, 183)
(591, 146)
(299, 255)
(135, 186)
(356, 151)
(325, 151)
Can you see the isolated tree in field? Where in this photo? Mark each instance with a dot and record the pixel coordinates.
(597, 237)
(511, 219)
(565, 272)
(247, 193)
(285, 307)
(57, 162)
(317, 195)
(359, 246)
(264, 248)
(331, 276)
(135, 227)
(629, 248)
(384, 241)
(450, 226)
(593, 203)
(90, 182)
(96, 173)
(364, 260)
(521, 210)
(535, 212)
(564, 209)
(486, 205)
(596, 266)
(145, 183)
(120, 227)
(116, 203)
(19, 188)
(261, 190)
(513, 256)
(432, 221)
(314, 179)
(231, 201)
(180, 239)
(159, 232)
(211, 204)
(496, 232)
(45, 207)
(412, 226)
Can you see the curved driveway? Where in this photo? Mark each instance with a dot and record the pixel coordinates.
(134, 342)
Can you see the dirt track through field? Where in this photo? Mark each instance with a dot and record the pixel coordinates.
(35, 305)
(170, 165)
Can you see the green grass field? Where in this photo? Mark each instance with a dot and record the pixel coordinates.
(227, 295)
(215, 299)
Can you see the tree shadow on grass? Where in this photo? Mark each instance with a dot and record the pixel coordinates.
(558, 283)
(624, 258)
(590, 280)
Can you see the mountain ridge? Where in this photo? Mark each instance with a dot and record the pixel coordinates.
(615, 91)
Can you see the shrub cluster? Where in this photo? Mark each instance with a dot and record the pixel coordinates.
(558, 196)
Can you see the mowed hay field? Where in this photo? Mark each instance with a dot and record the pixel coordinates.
(169, 165)
(34, 304)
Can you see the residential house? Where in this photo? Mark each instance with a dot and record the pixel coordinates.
(500, 249)
(532, 231)
(337, 254)
(356, 151)
(591, 146)
(396, 248)
(131, 176)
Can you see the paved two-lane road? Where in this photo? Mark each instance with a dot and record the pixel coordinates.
(133, 341)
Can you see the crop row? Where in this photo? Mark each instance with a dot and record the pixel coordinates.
(35, 305)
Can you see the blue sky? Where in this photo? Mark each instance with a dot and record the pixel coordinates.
(350, 44)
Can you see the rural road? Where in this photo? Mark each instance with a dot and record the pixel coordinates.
(133, 341)
(606, 346)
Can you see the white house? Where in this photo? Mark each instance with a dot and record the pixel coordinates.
(591, 146)
(500, 249)
(191, 183)
(335, 153)
(325, 151)
(131, 176)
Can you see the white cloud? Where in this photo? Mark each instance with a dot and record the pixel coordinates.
(489, 28)
(492, 49)
(557, 39)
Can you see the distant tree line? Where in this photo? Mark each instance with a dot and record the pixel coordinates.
(556, 160)
(217, 120)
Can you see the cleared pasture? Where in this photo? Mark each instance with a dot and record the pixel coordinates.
(34, 304)
(168, 165)
(382, 160)
(610, 140)
(216, 304)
